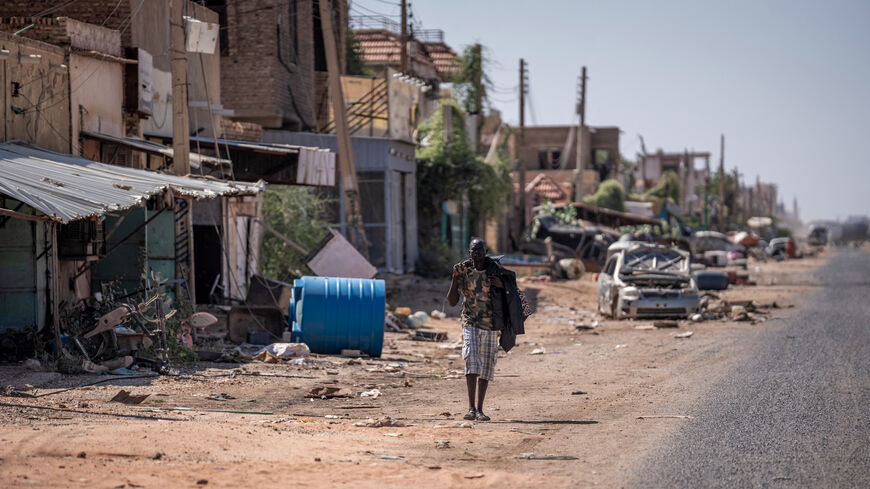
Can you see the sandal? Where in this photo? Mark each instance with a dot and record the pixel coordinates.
(470, 415)
(481, 417)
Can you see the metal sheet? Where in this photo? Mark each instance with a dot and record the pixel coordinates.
(67, 187)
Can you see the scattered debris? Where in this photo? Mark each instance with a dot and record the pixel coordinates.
(579, 393)
(32, 364)
(697, 317)
(436, 314)
(324, 392)
(374, 393)
(378, 423)
(621, 346)
(592, 325)
(417, 320)
(538, 351)
(442, 444)
(645, 326)
(532, 456)
(687, 334)
(393, 323)
(277, 352)
(475, 476)
(394, 435)
(126, 398)
(666, 324)
(392, 457)
(11, 391)
(220, 397)
(426, 334)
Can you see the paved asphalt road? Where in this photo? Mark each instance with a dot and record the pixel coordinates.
(796, 412)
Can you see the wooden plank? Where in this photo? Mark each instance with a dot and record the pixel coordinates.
(356, 231)
(21, 215)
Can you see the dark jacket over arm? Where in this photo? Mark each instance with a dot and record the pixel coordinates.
(507, 309)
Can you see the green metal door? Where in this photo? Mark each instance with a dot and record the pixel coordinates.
(19, 304)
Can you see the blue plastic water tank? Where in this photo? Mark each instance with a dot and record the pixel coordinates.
(331, 314)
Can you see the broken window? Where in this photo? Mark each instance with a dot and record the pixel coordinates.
(543, 159)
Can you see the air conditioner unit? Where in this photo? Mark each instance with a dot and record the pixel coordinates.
(81, 240)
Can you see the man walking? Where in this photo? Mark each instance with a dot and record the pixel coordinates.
(489, 309)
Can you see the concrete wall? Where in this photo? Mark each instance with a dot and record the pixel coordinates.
(96, 97)
(38, 110)
(95, 87)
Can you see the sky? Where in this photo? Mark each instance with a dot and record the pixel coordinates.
(785, 81)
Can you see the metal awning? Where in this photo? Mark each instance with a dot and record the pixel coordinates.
(66, 187)
(285, 164)
(150, 147)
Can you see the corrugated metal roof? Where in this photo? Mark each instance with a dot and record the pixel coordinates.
(144, 145)
(66, 187)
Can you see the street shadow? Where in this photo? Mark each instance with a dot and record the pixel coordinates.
(545, 421)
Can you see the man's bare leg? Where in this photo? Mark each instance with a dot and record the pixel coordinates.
(471, 383)
(482, 384)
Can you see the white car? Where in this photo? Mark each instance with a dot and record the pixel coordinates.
(643, 280)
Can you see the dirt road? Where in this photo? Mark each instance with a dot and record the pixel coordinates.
(582, 413)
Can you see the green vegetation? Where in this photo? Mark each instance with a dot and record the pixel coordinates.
(445, 171)
(465, 86)
(610, 195)
(667, 188)
(299, 213)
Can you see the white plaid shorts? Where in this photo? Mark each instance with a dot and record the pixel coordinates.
(480, 351)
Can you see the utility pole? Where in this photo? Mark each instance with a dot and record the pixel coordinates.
(581, 111)
(684, 181)
(738, 215)
(521, 146)
(184, 259)
(707, 192)
(353, 210)
(178, 66)
(404, 37)
(478, 95)
(721, 213)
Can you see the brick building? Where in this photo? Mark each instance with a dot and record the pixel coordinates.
(273, 60)
(552, 150)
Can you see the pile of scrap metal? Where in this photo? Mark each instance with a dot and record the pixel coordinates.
(103, 334)
(587, 244)
(713, 307)
(646, 280)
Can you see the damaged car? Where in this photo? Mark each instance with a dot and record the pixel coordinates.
(644, 280)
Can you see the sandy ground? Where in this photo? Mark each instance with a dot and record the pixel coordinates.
(599, 400)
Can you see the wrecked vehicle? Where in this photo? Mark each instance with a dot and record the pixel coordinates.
(643, 280)
(586, 243)
(704, 241)
(818, 236)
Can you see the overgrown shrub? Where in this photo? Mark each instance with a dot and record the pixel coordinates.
(667, 188)
(610, 195)
(446, 170)
(299, 213)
